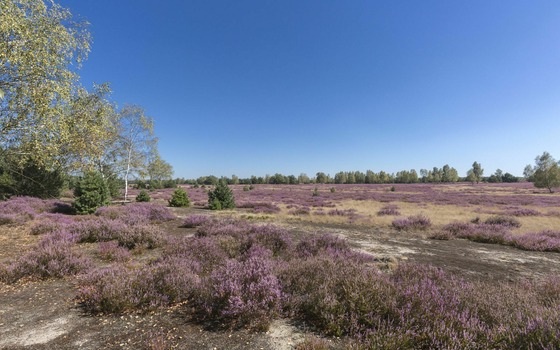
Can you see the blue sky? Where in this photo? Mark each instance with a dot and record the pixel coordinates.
(260, 87)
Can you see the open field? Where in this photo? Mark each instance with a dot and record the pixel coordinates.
(143, 276)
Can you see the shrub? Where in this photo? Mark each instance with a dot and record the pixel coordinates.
(221, 197)
(122, 288)
(53, 257)
(195, 220)
(143, 196)
(506, 221)
(416, 222)
(91, 192)
(389, 210)
(243, 293)
(179, 198)
(111, 251)
(336, 295)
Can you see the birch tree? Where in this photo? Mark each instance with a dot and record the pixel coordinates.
(135, 141)
(40, 48)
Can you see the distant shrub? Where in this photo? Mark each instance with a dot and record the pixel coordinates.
(221, 197)
(506, 221)
(246, 188)
(389, 210)
(179, 198)
(524, 212)
(143, 196)
(416, 222)
(315, 192)
(195, 220)
(91, 192)
(333, 190)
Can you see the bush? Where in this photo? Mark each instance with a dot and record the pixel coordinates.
(53, 257)
(179, 198)
(416, 222)
(243, 293)
(143, 196)
(221, 197)
(505, 221)
(122, 288)
(91, 192)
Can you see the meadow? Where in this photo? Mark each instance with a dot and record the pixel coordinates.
(292, 267)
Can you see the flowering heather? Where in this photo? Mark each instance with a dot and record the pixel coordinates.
(415, 222)
(260, 207)
(53, 257)
(243, 292)
(101, 229)
(195, 220)
(505, 221)
(523, 212)
(390, 209)
(330, 246)
(50, 223)
(119, 288)
(546, 241)
(300, 210)
(135, 213)
(112, 251)
(205, 250)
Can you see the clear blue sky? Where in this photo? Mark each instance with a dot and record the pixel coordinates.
(259, 87)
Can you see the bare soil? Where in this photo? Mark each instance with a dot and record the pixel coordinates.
(45, 314)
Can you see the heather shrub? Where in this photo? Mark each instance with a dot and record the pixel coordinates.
(221, 197)
(91, 192)
(51, 223)
(53, 257)
(101, 229)
(524, 212)
(273, 238)
(242, 293)
(143, 196)
(120, 288)
(545, 241)
(137, 213)
(416, 222)
(195, 220)
(179, 198)
(329, 246)
(389, 210)
(506, 221)
(206, 251)
(336, 295)
(112, 251)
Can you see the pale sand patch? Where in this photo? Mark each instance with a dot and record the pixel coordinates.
(38, 334)
(283, 336)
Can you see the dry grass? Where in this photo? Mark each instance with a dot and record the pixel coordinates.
(440, 215)
(16, 239)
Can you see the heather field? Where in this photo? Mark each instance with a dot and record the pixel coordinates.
(420, 266)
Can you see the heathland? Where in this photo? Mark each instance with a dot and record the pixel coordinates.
(400, 266)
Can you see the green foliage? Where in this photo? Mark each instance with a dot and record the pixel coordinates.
(546, 172)
(91, 192)
(179, 198)
(29, 179)
(315, 192)
(143, 196)
(221, 197)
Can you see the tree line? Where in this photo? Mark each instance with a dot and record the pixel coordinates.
(445, 174)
